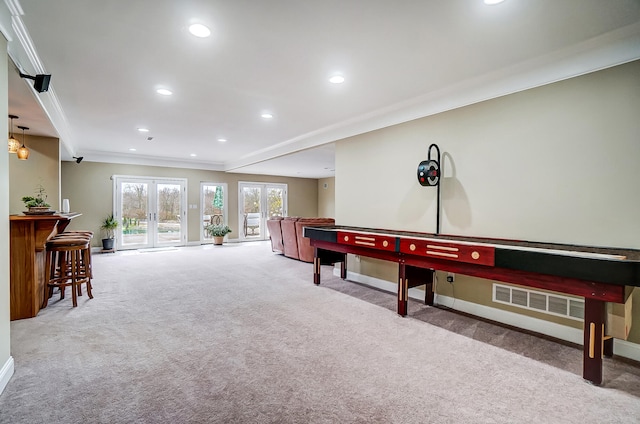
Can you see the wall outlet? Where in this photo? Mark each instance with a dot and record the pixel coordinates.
(451, 277)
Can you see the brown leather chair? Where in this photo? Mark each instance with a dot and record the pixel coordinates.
(289, 238)
(275, 234)
(305, 250)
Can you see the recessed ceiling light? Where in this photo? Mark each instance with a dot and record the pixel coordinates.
(336, 79)
(199, 30)
(492, 2)
(132, 150)
(193, 155)
(164, 91)
(267, 115)
(143, 129)
(222, 140)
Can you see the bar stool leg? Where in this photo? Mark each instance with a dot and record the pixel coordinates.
(75, 287)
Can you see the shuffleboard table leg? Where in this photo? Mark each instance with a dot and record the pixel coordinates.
(594, 318)
(316, 267)
(403, 290)
(343, 268)
(607, 351)
(416, 276)
(428, 289)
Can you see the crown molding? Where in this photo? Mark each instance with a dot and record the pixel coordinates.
(605, 51)
(25, 57)
(135, 159)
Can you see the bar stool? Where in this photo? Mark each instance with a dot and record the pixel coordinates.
(86, 258)
(67, 264)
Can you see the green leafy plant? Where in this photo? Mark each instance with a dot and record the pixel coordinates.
(39, 200)
(109, 224)
(217, 230)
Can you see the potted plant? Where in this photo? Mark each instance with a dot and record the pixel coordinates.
(37, 203)
(218, 232)
(109, 225)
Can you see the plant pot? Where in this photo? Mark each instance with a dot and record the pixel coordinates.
(218, 240)
(107, 244)
(38, 209)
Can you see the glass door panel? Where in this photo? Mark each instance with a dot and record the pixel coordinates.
(213, 201)
(168, 217)
(251, 210)
(275, 201)
(134, 206)
(258, 202)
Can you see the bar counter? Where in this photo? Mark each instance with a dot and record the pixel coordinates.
(28, 238)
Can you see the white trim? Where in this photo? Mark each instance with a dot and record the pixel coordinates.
(620, 347)
(5, 373)
(378, 283)
(626, 349)
(537, 325)
(129, 159)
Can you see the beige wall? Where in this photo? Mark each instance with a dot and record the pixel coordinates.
(327, 197)
(556, 163)
(42, 167)
(89, 188)
(5, 336)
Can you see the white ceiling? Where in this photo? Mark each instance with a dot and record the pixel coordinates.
(402, 60)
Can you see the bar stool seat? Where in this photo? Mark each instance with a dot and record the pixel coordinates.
(67, 264)
(86, 259)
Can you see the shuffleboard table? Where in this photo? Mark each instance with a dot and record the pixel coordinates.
(597, 274)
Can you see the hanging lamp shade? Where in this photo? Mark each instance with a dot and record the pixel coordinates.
(14, 144)
(23, 152)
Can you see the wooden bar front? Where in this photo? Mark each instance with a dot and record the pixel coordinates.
(28, 236)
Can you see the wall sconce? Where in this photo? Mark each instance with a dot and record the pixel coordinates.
(429, 173)
(13, 143)
(79, 159)
(23, 152)
(41, 81)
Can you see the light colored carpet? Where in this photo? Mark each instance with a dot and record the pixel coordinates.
(237, 334)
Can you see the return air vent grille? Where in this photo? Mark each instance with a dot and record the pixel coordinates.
(551, 304)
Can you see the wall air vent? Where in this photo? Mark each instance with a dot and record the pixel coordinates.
(532, 300)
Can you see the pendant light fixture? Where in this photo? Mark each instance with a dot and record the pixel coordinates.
(23, 152)
(13, 143)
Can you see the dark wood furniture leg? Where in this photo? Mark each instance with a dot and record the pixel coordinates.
(608, 347)
(421, 277)
(328, 257)
(411, 276)
(594, 318)
(316, 266)
(403, 290)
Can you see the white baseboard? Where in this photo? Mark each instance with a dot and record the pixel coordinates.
(210, 242)
(5, 373)
(537, 325)
(562, 332)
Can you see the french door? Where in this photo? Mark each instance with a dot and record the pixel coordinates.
(213, 207)
(151, 212)
(257, 202)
